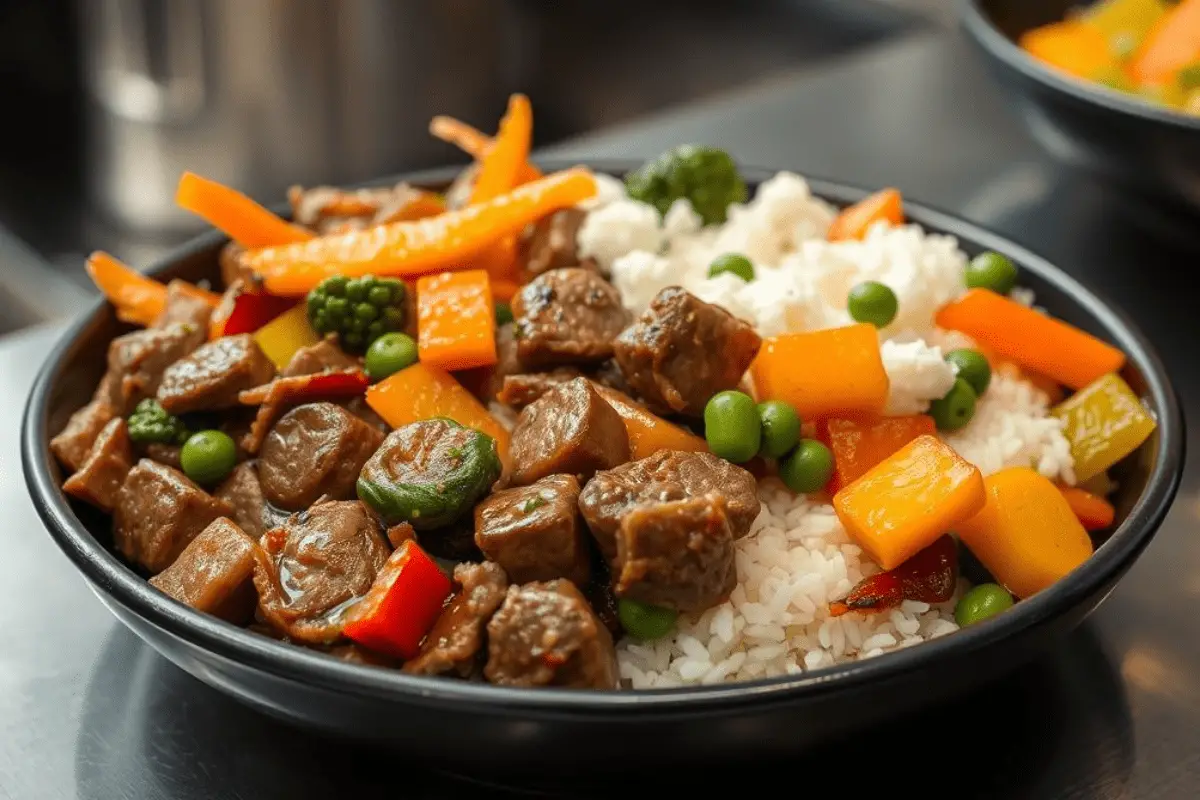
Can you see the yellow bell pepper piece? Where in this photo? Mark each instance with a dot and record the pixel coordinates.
(1026, 535)
(1124, 23)
(280, 338)
(1104, 422)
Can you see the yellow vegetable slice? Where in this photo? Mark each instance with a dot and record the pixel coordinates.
(1104, 422)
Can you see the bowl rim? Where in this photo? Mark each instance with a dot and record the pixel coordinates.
(116, 583)
(979, 25)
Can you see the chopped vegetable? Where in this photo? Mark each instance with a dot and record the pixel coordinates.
(228, 210)
(1104, 422)
(150, 422)
(993, 271)
(928, 577)
(780, 428)
(1070, 46)
(885, 206)
(501, 164)
(1172, 44)
(474, 143)
(644, 621)
(649, 433)
(732, 427)
(1026, 535)
(941, 489)
(981, 602)
(955, 409)
(872, 302)
(280, 338)
(829, 373)
(858, 446)
(389, 354)
(456, 322)
(298, 389)
(1032, 340)
(402, 604)
(248, 312)
(359, 310)
(733, 263)
(414, 248)
(807, 468)
(138, 300)
(971, 366)
(705, 176)
(1094, 512)
(208, 457)
(504, 314)
(1123, 21)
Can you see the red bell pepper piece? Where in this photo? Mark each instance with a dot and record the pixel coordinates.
(857, 446)
(402, 604)
(929, 577)
(274, 398)
(251, 311)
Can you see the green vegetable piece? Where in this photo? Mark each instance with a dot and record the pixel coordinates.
(981, 602)
(642, 621)
(972, 367)
(955, 409)
(150, 422)
(379, 296)
(807, 468)
(732, 426)
(780, 428)
(208, 457)
(356, 290)
(359, 310)
(504, 314)
(334, 286)
(871, 301)
(992, 271)
(705, 176)
(1189, 77)
(366, 312)
(734, 263)
(389, 354)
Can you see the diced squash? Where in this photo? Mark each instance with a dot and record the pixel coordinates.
(280, 338)
(857, 446)
(1093, 511)
(456, 320)
(1027, 536)
(903, 504)
(1104, 422)
(1071, 46)
(830, 373)
(649, 433)
(854, 222)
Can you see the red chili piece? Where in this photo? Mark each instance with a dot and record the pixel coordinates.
(928, 577)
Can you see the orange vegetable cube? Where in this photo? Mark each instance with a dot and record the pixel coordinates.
(857, 446)
(854, 222)
(649, 433)
(456, 321)
(903, 504)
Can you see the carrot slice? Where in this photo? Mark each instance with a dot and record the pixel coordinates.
(1093, 511)
(456, 320)
(854, 222)
(245, 221)
(498, 167)
(1034, 341)
(857, 445)
(419, 247)
(1171, 45)
(474, 143)
(138, 300)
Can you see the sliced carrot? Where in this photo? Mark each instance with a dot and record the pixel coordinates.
(854, 222)
(245, 221)
(858, 446)
(1071, 46)
(420, 247)
(649, 433)
(456, 320)
(474, 143)
(1172, 44)
(1034, 341)
(499, 166)
(138, 300)
(1094, 512)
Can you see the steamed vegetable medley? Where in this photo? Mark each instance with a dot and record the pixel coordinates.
(431, 433)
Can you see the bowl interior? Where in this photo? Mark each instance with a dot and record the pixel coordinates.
(1014, 18)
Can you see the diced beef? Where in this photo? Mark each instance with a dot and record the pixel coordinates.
(73, 444)
(315, 450)
(99, 478)
(678, 554)
(212, 376)
(214, 573)
(535, 532)
(567, 316)
(163, 453)
(546, 634)
(158, 512)
(183, 306)
(400, 533)
(521, 390)
(230, 262)
(358, 407)
(243, 492)
(455, 642)
(319, 357)
(315, 567)
(330, 210)
(661, 478)
(609, 374)
(599, 594)
(138, 360)
(489, 381)
(285, 393)
(682, 351)
(552, 243)
(571, 430)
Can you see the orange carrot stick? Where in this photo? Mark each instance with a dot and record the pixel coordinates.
(498, 167)
(245, 221)
(474, 143)
(1172, 44)
(138, 300)
(456, 320)
(1094, 512)
(855, 221)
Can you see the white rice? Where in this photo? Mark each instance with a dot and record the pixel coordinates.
(797, 557)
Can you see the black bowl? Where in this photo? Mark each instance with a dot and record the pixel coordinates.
(504, 732)
(1149, 151)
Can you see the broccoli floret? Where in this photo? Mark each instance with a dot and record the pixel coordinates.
(358, 310)
(704, 175)
(150, 422)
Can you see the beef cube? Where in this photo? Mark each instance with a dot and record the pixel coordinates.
(682, 351)
(158, 512)
(486, 383)
(552, 243)
(319, 357)
(400, 533)
(677, 554)
(535, 532)
(243, 492)
(571, 430)
(212, 376)
(455, 641)
(99, 478)
(230, 261)
(138, 360)
(168, 454)
(546, 634)
(73, 444)
(567, 316)
(518, 391)
(214, 573)
(184, 307)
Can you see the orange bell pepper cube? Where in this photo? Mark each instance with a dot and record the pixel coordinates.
(1093, 511)
(649, 433)
(456, 320)
(1026, 535)
(230, 211)
(138, 300)
(903, 504)
(1030, 339)
(474, 143)
(831, 373)
(857, 446)
(401, 605)
(855, 221)
(1172, 44)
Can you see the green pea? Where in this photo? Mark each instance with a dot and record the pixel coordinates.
(504, 313)
(734, 263)
(972, 367)
(356, 290)
(389, 354)
(335, 286)
(732, 426)
(337, 307)
(353, 339)
(807, 468)
(992, 271)
(955, 409)
(871, 301)
(393, 318)
(207, 457)
(643, 621)
(316, 301)
(375, 330)
(981, 602)
(366, 312)
(780, 428)
(379, 296)
(321, 322)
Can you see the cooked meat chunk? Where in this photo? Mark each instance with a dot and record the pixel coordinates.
(163, 453)
(229, 260)
(243, 492)
(677, 554)
(455, 642)
(571, 430)
(319, 357)
(213, 573)
(521, 390)
(315, 450)
(400, 533)
(138, 360)
(535, 532)
(359, 408)
(211, 377)
(328, 210)
(313, 568)
(158, 512)
(609, 374)
(99, 478)
(551, 243)
(491, 379)
(183, 307)
(682, 351)
(663, 477)
(285, 393)
(73, 444)
(567, 316)
(546, 634)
